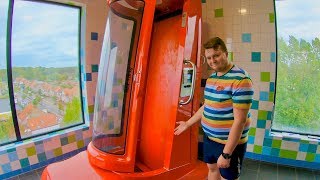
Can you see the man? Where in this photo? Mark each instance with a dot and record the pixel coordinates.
(224, 115)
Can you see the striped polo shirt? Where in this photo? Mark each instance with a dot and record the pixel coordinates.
(221, 95)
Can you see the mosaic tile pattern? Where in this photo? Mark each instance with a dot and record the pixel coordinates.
(254, 38)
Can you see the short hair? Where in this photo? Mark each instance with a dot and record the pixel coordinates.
(215, 43)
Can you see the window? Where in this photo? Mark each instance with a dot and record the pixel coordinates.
(297, 108)
(7, 132)
(116, 76)
(43, 67)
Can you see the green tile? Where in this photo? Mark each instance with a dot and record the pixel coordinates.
(203, 1)
(57, 152)
(276, 143)
(24, 162)
(271, 96)
(94, 68)
(289, 154)
(262, 115)
(31, 151)
(218, 12)
(71, 3)
(310, 157)
(252, 131)
(72, 138)
(230, 56)
(271, 17)
(265, 76)
(91, 109)
(257, 149)
(80, 144)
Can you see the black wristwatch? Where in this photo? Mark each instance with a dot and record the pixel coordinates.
(226, 155)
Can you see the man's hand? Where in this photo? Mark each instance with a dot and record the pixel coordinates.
(223, 163)
(182, 127)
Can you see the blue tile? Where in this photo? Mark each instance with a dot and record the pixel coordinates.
(255, 104)
(251, 139)
(64, 141)
(11, 150)
(264, 96)
(266, 150)
(246, 37)
(267, 142)
(6, 167)
(275, 152)
(88, 77)
(271, 87)
(312, 148)
(256, 56)
(24, 162)
(273, 57)
(303, 147)
(13, 156)
(94, 36)
(261, 123)
(269, 115)
(317, 158)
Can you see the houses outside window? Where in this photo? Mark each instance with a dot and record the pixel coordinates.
(41, 72)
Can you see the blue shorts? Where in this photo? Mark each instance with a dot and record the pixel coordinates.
(212, 150)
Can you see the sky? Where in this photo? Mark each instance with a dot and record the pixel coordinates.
(300, 18)
(43, 34)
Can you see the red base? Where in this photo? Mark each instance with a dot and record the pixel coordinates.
(78, 167)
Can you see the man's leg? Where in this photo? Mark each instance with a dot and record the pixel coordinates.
(213, 173)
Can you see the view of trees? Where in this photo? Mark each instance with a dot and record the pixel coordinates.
(6, 127)
(297, 93)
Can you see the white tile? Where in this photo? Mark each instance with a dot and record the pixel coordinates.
(4, 159)
(236, 19)
(259, 136)
(15, 165)
(33, 160)
(265, 105)
(301, 156)
(264, 86)
(250, 147)
(290, 145)
(267, 27)
(268, 124)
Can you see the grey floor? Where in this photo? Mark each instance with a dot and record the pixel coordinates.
(252, 170)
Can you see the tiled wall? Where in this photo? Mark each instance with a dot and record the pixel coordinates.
(41, 151)
(248, 28)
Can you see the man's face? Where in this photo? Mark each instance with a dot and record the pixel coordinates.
(217, 59)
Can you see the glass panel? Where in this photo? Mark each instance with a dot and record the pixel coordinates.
(45, 66)
(115, 76)
(298, 67)
(7, 132)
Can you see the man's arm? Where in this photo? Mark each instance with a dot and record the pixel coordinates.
(183, 125)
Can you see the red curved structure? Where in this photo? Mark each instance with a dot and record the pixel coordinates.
(149, 78)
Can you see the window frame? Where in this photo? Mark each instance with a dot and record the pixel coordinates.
(285, 133)
(81, 45)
